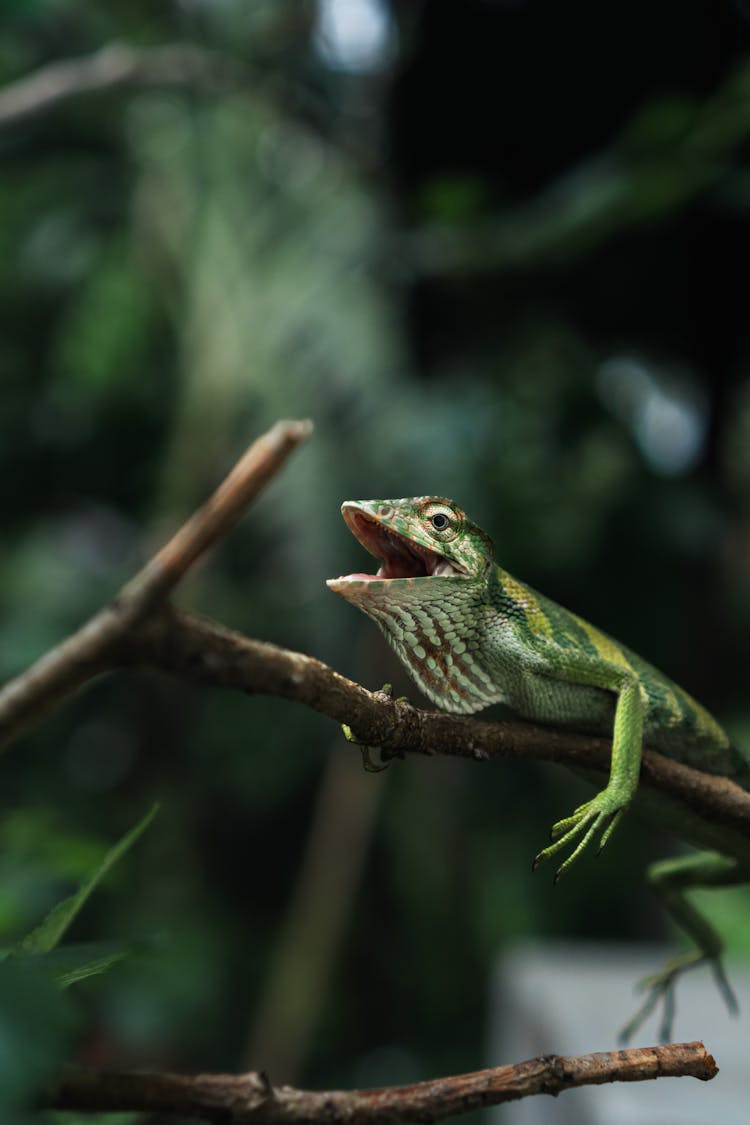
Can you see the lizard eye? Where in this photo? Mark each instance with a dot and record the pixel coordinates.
(440, 521)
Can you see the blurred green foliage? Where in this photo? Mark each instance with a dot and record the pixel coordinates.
(178, 268)
(37, 1034)
(37, 1023)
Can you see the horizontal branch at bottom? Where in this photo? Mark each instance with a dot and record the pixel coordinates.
(251, 1098)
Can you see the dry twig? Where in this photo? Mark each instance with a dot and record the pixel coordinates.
(250, 1098)
(116, 66)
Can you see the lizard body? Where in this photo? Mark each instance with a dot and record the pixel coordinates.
(471, 635)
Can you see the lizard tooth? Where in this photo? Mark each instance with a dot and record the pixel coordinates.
(443, 569)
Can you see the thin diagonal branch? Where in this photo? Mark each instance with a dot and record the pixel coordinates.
(94, 647)
(250, 1098)
(116, 66)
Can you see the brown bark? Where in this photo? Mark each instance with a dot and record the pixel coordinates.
(250, 1098)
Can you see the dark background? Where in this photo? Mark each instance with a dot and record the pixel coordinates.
(502, 257)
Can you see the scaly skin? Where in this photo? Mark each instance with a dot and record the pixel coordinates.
(472, 635)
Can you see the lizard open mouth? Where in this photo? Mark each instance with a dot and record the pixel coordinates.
(398, 556)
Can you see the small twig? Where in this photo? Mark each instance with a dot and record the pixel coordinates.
(216, 518)
(197, 648)
(114, 67)
(94, 647)
(249, 1097)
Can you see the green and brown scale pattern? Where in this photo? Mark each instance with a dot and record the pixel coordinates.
(674, 723)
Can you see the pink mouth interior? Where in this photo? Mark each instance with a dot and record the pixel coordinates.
(398, 557)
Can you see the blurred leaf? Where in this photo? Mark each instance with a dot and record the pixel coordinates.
(46, 936)
(39, 854)
(70, 964)
(453, 199)
(666, 121)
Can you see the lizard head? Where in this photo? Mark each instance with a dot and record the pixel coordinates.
(421, 539)
(430, 594)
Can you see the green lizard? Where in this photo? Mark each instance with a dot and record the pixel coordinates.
(471, 635)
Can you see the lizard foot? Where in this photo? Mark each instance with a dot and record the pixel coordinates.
(369, 763)
(596, 819)
(660, 988)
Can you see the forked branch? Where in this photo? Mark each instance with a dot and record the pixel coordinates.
(116, 66)
(94, 648)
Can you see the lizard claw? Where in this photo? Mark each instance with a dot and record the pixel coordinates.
(595, 819)
(387, 692)
(369, 764)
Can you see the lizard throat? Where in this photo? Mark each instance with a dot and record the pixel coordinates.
(432, 614)
(436, 626)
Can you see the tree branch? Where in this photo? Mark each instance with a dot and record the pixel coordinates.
(94, 648)
(197, 648)
(249, 1098)
(114, 67)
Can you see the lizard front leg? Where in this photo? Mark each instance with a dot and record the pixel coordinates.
(597, 819)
